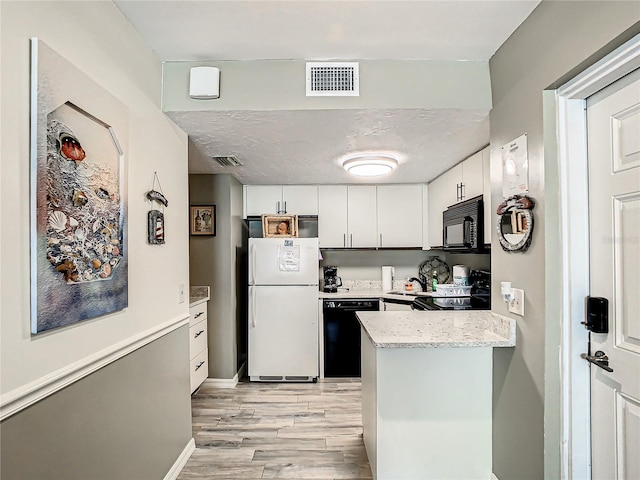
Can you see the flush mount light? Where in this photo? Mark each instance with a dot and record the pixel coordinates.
(370, 164)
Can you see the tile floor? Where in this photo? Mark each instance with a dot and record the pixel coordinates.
(278, 431)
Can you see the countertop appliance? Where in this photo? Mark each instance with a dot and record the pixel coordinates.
(341, 335)
(283, 309)
(331, 280)
(462, 226)
(479, 298)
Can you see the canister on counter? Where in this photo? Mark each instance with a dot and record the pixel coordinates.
(461, 275)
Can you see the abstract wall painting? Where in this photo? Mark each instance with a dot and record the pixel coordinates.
(79, 138)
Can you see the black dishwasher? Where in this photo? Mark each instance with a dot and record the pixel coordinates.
(342, 335)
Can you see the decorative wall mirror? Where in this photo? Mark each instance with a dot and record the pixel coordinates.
(515, 223)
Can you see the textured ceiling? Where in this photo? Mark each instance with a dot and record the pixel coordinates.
(303, 146)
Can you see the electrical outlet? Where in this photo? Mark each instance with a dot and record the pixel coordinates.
(181, 293)
(516, 305)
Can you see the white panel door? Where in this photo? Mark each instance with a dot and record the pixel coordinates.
(332, 216)
(283, 331)
(399, 215)
(613, 117)
(273, 262)
(363, 231)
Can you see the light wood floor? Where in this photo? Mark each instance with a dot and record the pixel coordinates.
(278, 431)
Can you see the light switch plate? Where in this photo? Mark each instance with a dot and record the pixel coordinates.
(516, 305)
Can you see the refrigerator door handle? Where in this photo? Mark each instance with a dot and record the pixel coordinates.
(253, 264)
(252, 314)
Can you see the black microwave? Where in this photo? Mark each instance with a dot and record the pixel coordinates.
(463, 226)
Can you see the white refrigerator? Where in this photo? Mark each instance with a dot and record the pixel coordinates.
(283, 309)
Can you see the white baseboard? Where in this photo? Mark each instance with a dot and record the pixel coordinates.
(493, 477)
(222, 382)
(181, 461)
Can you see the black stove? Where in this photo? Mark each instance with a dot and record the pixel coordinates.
(479, 298)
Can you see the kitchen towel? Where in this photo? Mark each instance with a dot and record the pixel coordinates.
(387, 278)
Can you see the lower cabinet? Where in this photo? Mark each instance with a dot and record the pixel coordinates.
(198, 351)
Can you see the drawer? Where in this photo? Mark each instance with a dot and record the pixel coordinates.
(198, 313)
(199, 369)
(197, 338)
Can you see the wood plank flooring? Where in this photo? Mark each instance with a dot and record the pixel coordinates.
(278, 431)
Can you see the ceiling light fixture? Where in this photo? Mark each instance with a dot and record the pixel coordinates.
(370, 164)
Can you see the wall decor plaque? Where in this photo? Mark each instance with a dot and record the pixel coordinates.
(78, 204)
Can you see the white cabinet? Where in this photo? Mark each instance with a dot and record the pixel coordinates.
(399, 215)
(347, 216)
(462, 182)
(369, 216)
(332, 216)
(361, 212)
(290, 199)
(198, 352)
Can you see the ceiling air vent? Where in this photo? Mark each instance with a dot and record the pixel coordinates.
(228, 161)
(333, 79)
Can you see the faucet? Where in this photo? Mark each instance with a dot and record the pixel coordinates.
(423, 284)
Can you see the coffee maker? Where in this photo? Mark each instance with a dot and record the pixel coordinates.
(331, 279)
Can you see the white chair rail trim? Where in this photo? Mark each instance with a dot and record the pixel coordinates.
(20, 398)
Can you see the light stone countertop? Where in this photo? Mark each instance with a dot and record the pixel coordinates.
(198, 295)
(369, 289)
(438, 329)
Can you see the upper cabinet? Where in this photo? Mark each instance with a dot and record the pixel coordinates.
(366, 216)
(332, 216)
(280, 199)
(399, 215)
(462, 182)
(346, 216)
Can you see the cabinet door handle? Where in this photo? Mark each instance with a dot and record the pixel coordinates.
(198, 334)
(344, 239)
(351, 235)
(463, 192)
(285, 206)
(198, 314)
(380, 239)
(199, 365)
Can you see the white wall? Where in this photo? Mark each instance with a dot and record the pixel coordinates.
(97, 39)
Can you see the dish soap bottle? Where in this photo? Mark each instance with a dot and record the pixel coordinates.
(434, 281)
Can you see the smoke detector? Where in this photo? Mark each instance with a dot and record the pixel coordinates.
(333, 79)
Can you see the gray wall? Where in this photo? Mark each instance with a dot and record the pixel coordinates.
(216, 261)
(129, 420)
(555, 42)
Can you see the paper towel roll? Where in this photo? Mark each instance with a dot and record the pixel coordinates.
(460, 275)
(387, 278)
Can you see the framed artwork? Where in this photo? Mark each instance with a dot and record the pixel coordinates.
(202, 220)
(78, 188)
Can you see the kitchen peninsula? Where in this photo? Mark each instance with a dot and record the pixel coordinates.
(426, 392)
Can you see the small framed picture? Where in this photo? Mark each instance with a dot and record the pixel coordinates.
(202, 220)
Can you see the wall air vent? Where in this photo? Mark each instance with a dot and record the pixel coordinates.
(228, 161)
(333, 79)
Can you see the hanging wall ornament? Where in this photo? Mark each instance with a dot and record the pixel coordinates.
(155, 218)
